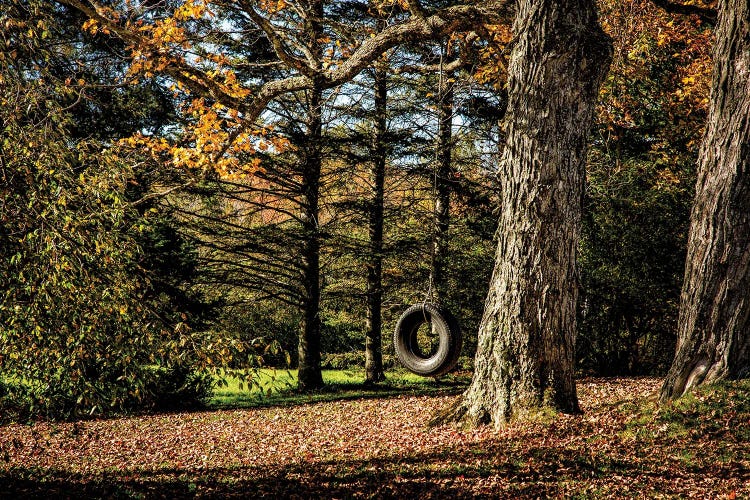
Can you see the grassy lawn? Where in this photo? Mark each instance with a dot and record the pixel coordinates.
(278, 387)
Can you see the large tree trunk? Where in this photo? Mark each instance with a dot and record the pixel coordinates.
(443, 171)
(309, 374)
(713, 341)
(373, 336)
(525, 352)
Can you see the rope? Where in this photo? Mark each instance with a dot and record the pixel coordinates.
(429, 295)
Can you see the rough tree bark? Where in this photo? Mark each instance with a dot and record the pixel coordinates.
(713, 342)
(373, 337)
(525, 352)
(310, 375)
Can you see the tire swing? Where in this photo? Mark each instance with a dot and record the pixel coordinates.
(433, 352)
(433, 360)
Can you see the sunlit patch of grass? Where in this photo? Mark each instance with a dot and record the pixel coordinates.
(276, 387)
(722, 407)
(712, 409)
(544, 415)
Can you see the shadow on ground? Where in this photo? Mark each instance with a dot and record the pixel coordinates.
(495, 469)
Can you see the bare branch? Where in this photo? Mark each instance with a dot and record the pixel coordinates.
(707, 15)
(419, 27)
(276, 40)
(161, 194)
(449, 67)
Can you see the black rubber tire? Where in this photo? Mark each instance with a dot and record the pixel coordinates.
(443, 324)
(457, 343)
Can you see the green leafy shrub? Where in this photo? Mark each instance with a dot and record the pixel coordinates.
(80, 318)
(632, 255)
(178, 387)
(271, 328)
(15, 403)
(351, 360)
(342, 331)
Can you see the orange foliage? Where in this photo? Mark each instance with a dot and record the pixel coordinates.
(216, 136)
(645, 36)
(218, 140)
(493, 67)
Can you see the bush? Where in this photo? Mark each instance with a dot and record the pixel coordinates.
(22, 403)
(351, 361)
(163, 389)
(268, 326)
(342, 331)
(632, 256)
(178, 387)
(465, 364)
(14, 403)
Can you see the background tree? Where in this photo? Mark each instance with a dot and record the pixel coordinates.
(374, 291)
(712, 339)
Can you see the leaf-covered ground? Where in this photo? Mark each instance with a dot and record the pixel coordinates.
(623, 446)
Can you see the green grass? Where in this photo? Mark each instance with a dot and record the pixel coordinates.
(708, 409)
(271, 387)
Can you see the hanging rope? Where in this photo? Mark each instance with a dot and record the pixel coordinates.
(429, 295)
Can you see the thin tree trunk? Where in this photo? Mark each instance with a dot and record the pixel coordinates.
(442, 189)
(713, 342)
(373, 337)
(309, 374)
(525, 351)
